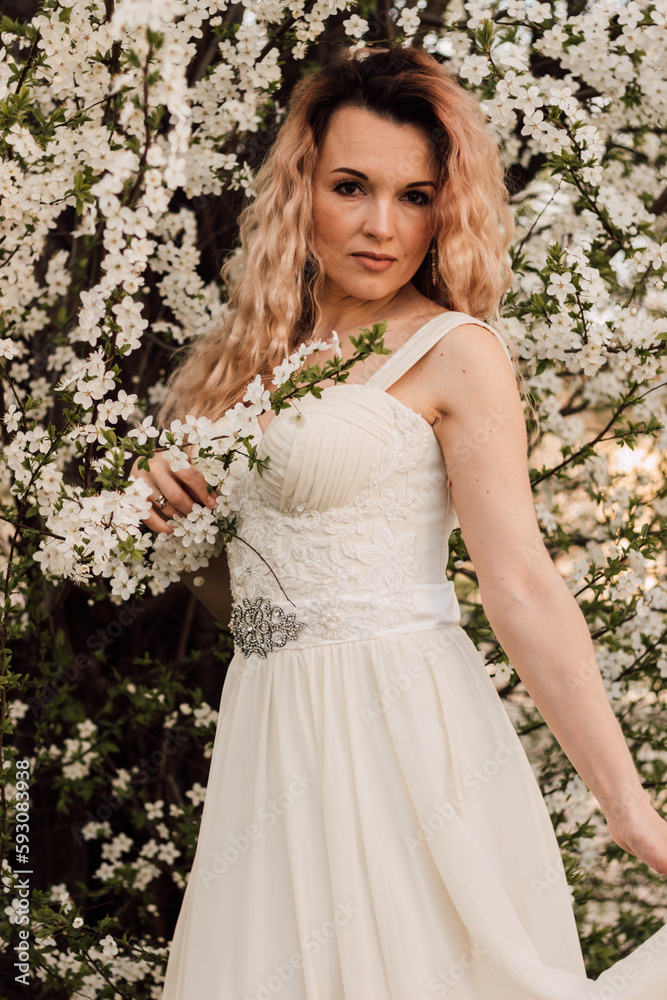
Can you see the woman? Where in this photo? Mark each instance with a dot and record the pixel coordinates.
(372, 828)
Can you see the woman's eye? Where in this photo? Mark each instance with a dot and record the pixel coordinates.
(421, 194)
(353, 184)
(343, 184)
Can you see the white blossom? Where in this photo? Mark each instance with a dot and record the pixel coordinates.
(355, 26)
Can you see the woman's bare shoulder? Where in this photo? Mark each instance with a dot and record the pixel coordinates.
(465, 365)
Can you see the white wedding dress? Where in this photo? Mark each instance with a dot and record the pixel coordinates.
(372, 828)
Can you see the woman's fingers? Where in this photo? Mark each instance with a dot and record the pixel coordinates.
(156, 523)
(196, 482)
(164, 482)
(179, 501)
(153, 521)
(174, 486)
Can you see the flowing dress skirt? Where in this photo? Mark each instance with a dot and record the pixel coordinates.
(373, 830)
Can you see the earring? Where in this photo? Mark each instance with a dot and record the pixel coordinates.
(434, 277)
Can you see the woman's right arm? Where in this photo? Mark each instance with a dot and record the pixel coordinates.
(183, 488)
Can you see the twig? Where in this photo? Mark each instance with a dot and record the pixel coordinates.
(266, 564)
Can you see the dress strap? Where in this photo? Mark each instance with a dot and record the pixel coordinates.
(416, 346)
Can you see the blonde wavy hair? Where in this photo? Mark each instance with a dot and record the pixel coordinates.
(275, 279)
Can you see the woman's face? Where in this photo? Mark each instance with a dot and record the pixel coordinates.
(383, 212)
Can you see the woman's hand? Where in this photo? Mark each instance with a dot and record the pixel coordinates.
(182, 489)
(642, 832)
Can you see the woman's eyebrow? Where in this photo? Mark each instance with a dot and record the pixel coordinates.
(358, 173)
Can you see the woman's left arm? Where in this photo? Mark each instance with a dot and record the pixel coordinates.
(480, 426)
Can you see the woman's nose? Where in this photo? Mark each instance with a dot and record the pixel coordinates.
(379, 220)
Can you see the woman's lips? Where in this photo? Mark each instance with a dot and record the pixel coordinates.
(373, 265)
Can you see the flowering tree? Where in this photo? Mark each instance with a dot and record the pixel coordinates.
(130, 133)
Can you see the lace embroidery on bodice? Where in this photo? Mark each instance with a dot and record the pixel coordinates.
(360, 550)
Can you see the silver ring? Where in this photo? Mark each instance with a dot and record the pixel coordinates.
(160, 502)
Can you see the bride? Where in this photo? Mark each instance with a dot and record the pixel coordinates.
(372, 828)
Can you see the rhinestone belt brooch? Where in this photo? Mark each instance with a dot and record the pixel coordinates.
(259, 626)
